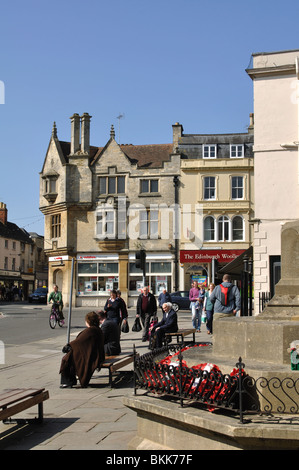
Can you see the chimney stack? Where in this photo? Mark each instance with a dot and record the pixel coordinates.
(3, 213)
(177, 130)
(75, 133)
(85, 133)
(251, 124)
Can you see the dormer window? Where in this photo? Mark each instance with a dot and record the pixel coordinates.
(209, 151)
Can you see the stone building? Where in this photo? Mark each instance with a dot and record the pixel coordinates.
(21, 257)
(101, 206)
(216, 198)
(275, 77)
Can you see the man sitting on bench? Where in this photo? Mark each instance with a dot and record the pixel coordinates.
(168, 324)
(110, 330)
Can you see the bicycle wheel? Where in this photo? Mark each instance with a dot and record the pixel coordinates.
(60, 322)
(52, 320)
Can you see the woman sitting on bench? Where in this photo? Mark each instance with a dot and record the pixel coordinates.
(84, 355)
(168, 324)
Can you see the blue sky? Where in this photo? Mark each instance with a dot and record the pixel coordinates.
(157, 62)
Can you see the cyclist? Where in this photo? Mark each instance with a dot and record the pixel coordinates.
(56, 298)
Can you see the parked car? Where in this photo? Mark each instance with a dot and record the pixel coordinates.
(180, 300)
(39, 295)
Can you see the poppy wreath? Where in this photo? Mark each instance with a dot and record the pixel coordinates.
(202, 380)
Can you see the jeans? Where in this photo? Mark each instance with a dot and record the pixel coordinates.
(209, 320)
(196, 315)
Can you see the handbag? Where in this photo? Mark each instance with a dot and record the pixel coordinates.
(137, 325)
(125, 327)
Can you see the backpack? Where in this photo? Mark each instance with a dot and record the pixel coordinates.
(224, 294)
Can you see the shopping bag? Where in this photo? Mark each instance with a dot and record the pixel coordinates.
(137, 325)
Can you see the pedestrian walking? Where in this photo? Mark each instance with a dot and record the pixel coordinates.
(208, 308)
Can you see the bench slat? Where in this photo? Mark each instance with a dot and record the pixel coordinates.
(16, 408)
(113, 363)
(15, 395)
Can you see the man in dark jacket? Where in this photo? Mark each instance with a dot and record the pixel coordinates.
(145, 309)
(111, 335)
(168, 324)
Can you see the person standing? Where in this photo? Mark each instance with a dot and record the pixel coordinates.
(226, 299)
(112, 307)
(123, 308)
(164, 297)
(208, 307)
(145, 309)
(194, 297)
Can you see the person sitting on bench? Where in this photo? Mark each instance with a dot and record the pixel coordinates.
(84, 354)
(111, 335)
(168, 324)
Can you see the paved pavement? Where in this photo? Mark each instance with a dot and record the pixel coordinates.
(93, 418)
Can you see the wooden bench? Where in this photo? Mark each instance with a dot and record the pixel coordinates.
(180, 335)
(14, 401)
(114, 363)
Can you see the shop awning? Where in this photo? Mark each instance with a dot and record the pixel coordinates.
(235, 267)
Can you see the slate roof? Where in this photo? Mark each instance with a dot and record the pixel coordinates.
(13, 232)
(145, 156)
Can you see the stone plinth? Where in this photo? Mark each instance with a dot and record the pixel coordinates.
(164, 425)
(254, 339)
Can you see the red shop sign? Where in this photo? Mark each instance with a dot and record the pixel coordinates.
(206, 256)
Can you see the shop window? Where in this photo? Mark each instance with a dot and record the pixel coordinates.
(97, 277)
(160, 267)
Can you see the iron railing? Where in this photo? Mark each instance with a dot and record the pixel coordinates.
(236, 392)
(264, 298)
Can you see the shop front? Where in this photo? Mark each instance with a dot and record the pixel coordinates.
(199, 265)
(98, 274)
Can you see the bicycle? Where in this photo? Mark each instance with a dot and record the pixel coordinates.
(55, 317)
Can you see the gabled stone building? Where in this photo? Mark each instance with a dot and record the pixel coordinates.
(101, 205)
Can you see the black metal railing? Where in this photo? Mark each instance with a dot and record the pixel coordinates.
(264, 298)
(236, 392)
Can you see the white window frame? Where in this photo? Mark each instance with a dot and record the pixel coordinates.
(224, 219)
(210, 149)
(108, 216)
(213, 229)
(209, 188)
(149, 224)
(235, 149)
(243, 228)
(237, 188)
